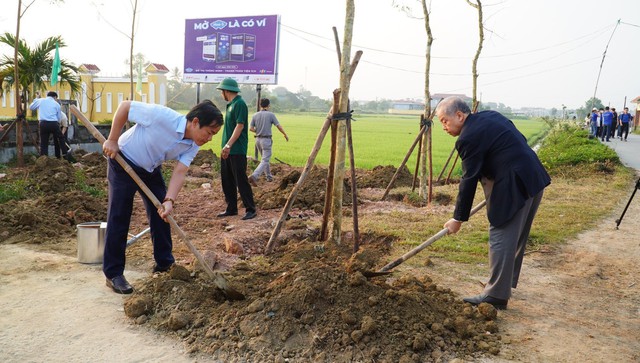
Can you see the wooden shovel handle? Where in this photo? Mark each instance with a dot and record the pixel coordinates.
(443, 232)
(219, 280)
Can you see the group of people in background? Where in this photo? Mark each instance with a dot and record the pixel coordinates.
(607, 124)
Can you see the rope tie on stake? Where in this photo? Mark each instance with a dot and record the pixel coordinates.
(343, 116)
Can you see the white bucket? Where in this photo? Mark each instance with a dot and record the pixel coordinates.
(91, 241)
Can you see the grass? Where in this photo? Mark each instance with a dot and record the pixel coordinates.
(378, 140)
(81, 184)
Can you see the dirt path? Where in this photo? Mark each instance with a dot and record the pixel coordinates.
(54, 309)
(582, 304)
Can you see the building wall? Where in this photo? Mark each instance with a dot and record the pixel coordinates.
(99, 97)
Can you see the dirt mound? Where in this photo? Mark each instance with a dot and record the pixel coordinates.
(59, 196)
(206, 157)
(302, 304)
(380, 176)
(310, 196)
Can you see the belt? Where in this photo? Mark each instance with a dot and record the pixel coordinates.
(263, 136)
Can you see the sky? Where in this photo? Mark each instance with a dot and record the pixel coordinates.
(543, 53)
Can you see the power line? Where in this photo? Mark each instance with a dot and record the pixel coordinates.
(594, 33)
(637, 26)
(527, 75)
(446, 74)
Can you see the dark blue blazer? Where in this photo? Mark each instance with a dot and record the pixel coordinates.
(490, 146)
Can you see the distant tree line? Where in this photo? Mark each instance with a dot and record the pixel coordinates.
(182, 96)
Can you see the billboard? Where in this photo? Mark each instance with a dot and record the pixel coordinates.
(244, 48)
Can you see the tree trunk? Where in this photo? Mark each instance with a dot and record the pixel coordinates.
(338, 178)
(16, 83)
(478, 7)
(133, 29)
(427, 107)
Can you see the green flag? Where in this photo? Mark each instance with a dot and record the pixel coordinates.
(55, 69)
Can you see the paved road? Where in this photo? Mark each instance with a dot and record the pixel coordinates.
(628, 151)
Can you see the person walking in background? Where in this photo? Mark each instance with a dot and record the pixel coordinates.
(496, 154)
(594, 122)
(159, 134)
(49, 115)
(233, 163)
(607, 123)
(599, 121)
(614, 123)
(624, 120)
(261, 124)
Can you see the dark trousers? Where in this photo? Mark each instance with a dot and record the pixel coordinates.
(121, 192)
(613, 130)
(507, 244)
(48, 128)
(233, 172)
(605, 132)
(624, 130)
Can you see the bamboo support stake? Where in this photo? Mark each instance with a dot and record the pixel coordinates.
(453, 166)
(415, 173)
(7, 130)
(326, 211)
(354, 193)
(430, 161)
(446, 164)
(406, 157)
(303, 176)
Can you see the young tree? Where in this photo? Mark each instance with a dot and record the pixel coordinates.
(478, 7)
(130, 36)
(16, 77)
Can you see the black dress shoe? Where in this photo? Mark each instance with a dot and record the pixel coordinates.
(226, 214)
(499, 304)
(249, 215)
(120, 285)
(157, 268)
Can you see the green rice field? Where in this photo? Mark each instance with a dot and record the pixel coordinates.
(379, 139)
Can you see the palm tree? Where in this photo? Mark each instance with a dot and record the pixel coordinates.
(35, 65)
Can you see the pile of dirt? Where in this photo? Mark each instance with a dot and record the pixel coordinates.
(380, 176)
(60, 196)
(311, 302)
(310, 196)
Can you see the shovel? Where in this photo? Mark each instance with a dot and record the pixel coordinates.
(135, 238)
(385, 270)
(217, 277)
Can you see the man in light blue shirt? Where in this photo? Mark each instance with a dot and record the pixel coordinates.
(49, 115)
(159, 134)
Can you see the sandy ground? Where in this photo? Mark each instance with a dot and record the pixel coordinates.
(54, 309)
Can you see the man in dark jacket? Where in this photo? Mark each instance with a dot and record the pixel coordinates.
(496, 154)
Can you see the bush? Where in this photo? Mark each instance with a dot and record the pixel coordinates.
(568, 146)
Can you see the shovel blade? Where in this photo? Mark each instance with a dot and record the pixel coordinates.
(369, 274)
